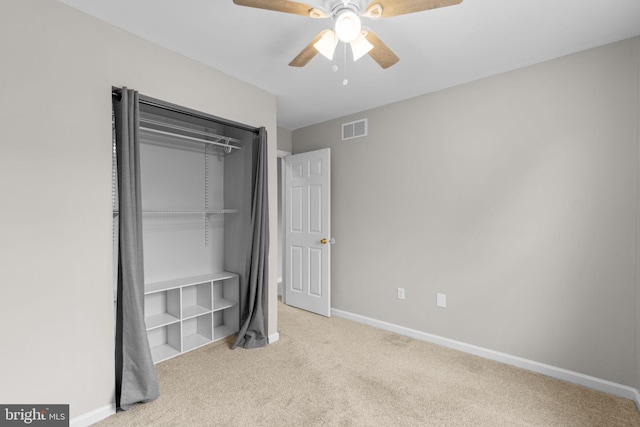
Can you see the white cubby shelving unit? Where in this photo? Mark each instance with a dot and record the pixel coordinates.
(187, 313)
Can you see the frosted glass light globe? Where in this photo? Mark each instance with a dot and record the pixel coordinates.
(348, 26)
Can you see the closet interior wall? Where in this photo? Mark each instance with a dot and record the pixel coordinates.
(173, 172)
(239, 172)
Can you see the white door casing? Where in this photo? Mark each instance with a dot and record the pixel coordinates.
(308, 231)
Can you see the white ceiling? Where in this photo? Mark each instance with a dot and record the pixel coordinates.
(437, 48)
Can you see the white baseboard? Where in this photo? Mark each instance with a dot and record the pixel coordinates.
(541, 368)
(274, 337)
(93, 417)
(636, 398)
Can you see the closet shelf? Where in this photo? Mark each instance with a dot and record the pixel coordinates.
(194, 341)
(191, 211)
(159, 320)
(194, 311)
(187, 281)
(163, 352)
(186, 211)
(222, 304)
(223, 331)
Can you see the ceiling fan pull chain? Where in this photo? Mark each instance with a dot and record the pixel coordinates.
(345, 81)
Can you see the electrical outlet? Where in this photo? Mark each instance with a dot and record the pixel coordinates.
(441, 300)
(400, 293)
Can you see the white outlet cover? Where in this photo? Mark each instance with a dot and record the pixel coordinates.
(400, 293)
(441, 300)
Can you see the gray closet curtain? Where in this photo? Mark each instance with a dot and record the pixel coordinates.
(253, 332)
(136, 377)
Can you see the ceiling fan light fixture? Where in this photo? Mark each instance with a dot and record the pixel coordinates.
(360, 46)
(327, 44)
(348, 26)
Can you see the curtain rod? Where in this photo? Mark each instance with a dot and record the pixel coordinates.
(116, 91)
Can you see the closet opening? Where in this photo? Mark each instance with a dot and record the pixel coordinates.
(196, 176)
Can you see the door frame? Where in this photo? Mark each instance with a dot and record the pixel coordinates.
(282, 220)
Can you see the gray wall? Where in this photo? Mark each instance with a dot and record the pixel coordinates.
(58, 66)
(285, 142)
(516, 196)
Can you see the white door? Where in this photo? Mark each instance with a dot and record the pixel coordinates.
(307, 280)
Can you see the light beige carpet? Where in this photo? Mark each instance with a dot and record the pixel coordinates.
(334, 372)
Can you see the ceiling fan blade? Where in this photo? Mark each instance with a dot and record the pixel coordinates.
(380, 52)
(278, 6)
(403, 7)
(308, 52)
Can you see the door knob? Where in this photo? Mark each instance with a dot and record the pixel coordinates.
(324, 241)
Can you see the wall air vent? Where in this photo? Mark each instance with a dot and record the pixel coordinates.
(354, 129)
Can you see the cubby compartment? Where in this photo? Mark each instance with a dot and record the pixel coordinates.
(197, 331)
(225, 293)
(225, 322)
(162, 308)
(165, 342)
(196, 300)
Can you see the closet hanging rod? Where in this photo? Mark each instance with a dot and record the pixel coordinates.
(227, 146)
(182, 128)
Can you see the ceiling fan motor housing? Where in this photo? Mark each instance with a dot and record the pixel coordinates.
(336, 7)
(346, 17)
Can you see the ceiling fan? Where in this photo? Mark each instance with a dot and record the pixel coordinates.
(348, 27)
